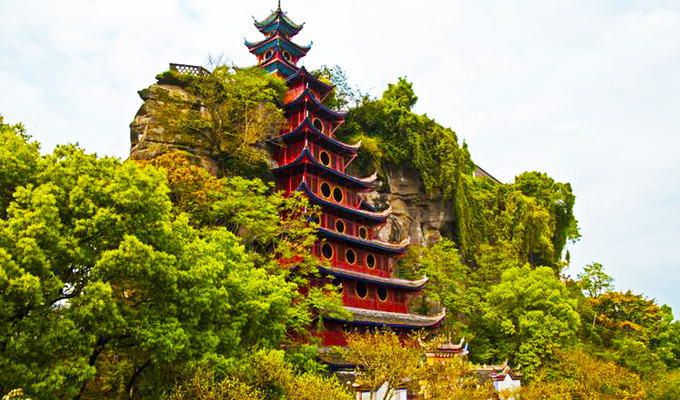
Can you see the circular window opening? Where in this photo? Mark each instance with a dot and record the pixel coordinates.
(325, 158)
(268, 55)
(326, 190)
(340, 226)
(287, 56)
(370, 261)
(363, 232)
(318, 124)
(351, 256)
(361, 290)
(327, 251)
(338, 195)
(382, 294)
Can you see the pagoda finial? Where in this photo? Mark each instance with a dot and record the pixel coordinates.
(279, 5)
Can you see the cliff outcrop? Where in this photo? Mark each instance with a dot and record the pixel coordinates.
(152, 132)
(415, 214)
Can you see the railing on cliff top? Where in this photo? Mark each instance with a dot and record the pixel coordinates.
(189, 69)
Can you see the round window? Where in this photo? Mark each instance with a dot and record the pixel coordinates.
(340, 226)
(361, 290)
(326, 190)
(287, 56)
(327, 251)
(318, 124)
(382, 294)
(363, 232)
(338, 195)
(351, 256)
(325, 158)
(268, 55)
(370, 261)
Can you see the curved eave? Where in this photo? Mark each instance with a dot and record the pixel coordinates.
(260, 47)
(307, 97)
(306, 155)
(279, 65)
(377, 280)
(302, 74)
(307, 126)
(394, 320)
(397, 248)
(279, 21)
(378, 217)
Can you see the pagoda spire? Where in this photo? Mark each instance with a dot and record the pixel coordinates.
(277, 53)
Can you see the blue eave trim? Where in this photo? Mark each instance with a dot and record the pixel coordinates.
(258, 48)
(316, 103)
(340, 274)
(316, 199)
(361, 242)
(316, 163)
(382, 324)
(307, 123)
(281, 66)
(302, 73)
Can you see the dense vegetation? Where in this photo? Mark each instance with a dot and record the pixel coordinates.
(158, 280)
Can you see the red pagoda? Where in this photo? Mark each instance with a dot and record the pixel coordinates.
(312, 160)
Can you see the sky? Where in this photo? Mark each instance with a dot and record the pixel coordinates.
(587, 91)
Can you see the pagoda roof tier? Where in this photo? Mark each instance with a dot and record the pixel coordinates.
(496, 372)
(278, 22)
(302, 74)
(331, 143)
(398, 248)
(307, 97)
(274, 42)
(306, 157)
(363, 316)
(280, 65)
(377, 280)
(378, 217)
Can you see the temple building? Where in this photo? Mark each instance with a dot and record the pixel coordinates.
(310, 159)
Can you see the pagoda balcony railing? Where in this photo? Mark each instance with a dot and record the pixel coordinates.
(372, 303)
(189, 69)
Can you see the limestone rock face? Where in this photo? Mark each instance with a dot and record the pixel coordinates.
(424, 218)
(415, 214)
(152, 134)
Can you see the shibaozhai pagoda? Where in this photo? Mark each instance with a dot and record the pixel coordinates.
(310, 159)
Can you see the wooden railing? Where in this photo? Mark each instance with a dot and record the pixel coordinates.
(189, 69)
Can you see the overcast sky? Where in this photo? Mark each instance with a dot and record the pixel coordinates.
(585, 90)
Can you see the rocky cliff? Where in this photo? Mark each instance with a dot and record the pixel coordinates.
(424, 218)
(152, 132)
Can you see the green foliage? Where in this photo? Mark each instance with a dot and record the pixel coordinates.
(576, 375)
(529, 315)
(343, 95)
(18, 160)
(594, 281)
(534, 215)
(102, 275)
(263, 375)
(234, 110)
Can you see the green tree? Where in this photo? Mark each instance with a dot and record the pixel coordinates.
(18, 160)
(100, 278)
(574, 374)
(530, 314)
(232, 110)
